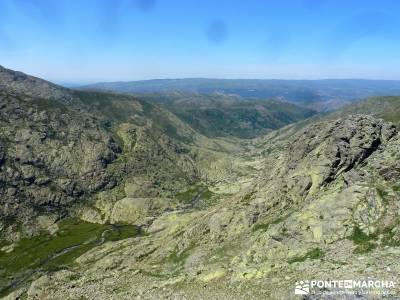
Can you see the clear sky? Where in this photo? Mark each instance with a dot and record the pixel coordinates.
(106, 40)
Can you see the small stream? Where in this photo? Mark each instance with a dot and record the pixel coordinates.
(29, 275)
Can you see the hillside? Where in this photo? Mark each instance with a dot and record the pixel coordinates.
(219, 115)
(57, 155)
(20, 83)
(387, 108)
(383, 107)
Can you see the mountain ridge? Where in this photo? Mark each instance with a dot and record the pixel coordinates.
(21, 83)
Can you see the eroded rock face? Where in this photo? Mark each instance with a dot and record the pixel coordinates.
(338, 146)
(326, 186)
(153, 165)
(51, 156)
(318, 155)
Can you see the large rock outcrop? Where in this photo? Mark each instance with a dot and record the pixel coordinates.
(51, 156)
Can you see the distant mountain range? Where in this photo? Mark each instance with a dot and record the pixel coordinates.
(325, 94)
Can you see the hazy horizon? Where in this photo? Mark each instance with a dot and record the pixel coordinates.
(73, 84)
(79, 42)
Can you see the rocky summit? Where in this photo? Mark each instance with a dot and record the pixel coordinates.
(108, 196)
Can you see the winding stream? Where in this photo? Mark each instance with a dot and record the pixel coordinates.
(95, 236)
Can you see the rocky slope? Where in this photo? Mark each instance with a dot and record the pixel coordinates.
(18, 82)
(57, 154)
(52, 156)
(325, 205)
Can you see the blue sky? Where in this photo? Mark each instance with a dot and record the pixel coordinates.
(107, 40)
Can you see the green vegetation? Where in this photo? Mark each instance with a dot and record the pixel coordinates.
(246, 199)
(391, 236)
(359, 236)
(382, 193)
(114, 109)
(261, 226)
(362, 240)
(267, 151)
(195, 193)
(396, 188)
(49, 105)
(121, 232)
(315, 253)
(265, 226)
(224, 116)
(385, 107)
(179, 257)
(365, 247)
(225, 253)
(47, 252)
